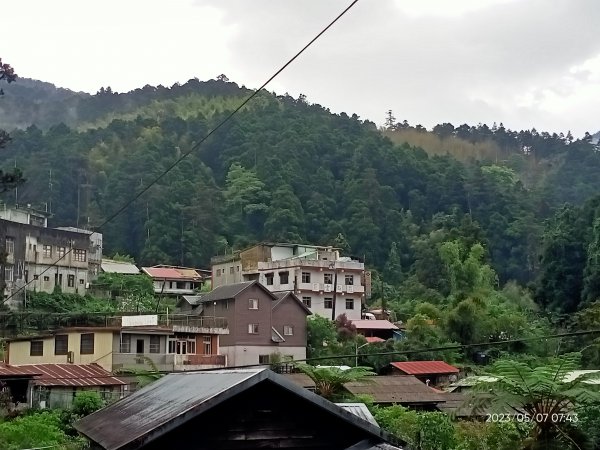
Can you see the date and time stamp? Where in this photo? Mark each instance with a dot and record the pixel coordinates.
(533, 418)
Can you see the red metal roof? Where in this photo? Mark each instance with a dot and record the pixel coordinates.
(424, 367)
(373, 339)
(64, 374)
(374, 325)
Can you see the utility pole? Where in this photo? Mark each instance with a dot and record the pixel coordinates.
(334, 291)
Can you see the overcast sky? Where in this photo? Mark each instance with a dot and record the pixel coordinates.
(526, 63)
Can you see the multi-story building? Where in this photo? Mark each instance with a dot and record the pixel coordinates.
(185, 343)
(40, 258)
(262, 323)
(327, 283)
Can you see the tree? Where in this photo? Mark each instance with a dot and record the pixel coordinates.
(8, 180)
(543, 395)
(393, 267)
(329, 381)
(87, 402)
(345, 328)
(390, 120)
(321, 335)
(591, 272)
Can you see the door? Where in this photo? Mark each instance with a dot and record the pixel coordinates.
(139, 346)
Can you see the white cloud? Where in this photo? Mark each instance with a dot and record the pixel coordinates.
(527, 63)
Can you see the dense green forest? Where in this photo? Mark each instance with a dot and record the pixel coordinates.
(287, 170)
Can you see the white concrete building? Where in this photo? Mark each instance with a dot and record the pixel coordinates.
(318, 275)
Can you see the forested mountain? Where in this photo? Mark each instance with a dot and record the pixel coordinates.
(287, 170)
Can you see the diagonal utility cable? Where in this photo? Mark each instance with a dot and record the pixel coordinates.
(201, 141)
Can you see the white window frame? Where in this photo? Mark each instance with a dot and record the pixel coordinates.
(252, 328)
(349, 279)
(307, 301)
(328, 299)
(10, 245)
(306, 277)
(47, 251)
(288, 330)
(253, 303)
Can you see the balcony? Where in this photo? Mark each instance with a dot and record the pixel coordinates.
(194, 324)
(167, 362)
(325, 288)
(195, 362)
(311, 263)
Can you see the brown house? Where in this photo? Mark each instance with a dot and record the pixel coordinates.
(261, 323)
(231, 409)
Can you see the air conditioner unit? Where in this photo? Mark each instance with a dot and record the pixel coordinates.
(315, 286)
(339, 288)
(328, 288)
(70, 357)
(350, 289)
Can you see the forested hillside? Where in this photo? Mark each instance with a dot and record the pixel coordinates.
(287, 170)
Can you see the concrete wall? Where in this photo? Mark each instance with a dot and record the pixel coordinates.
(19, 351)
(240, 355)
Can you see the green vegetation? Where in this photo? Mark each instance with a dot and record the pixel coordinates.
(329, 381)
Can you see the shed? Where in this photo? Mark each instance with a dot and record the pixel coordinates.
(228, 409)
(404, 390)
(434, 372)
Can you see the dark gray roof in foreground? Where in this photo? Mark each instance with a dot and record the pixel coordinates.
(167, 403)
(360, 410)
(230, 291)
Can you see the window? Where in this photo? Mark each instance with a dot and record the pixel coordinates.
(226, 304)
(252, 328)
(349, 280)
(307, 301)
(231, 270)
(81, 281)
(328, 278)
(47, 251)
(269, 277)
(218, 272)
(8, 273)
(61, 252)
(207, 345)
(71, 280)
(264, 359)
(349, 303)
(87, 344)
(61, 344)
(26, 273)
(306, 277)
(10, 245)
(37, 348)
(288, 330)
(46, 278)
(36, 277)
(237, 269)
(80, 255)
(284, 277)
(328, 303)
(125, 346)
(252, 303)
(154, 344)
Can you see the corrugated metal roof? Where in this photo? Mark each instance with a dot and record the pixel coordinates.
(110, 266)
(378, 324)
(424, 367)
(16, 371)
(65, 374)
(193, 300)
(178, 397)
(230, 291)
(173, 273)
(374, 339)
(359, 410)
(301, 379)
(394, 389)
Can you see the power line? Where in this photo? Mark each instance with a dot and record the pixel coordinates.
(353, 356)
(201, 141)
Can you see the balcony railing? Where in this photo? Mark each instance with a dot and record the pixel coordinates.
(200, 360)
(186, 320)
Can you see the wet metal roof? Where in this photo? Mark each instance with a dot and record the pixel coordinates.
(359, 410)
(110, 266)
(178, 397)
(424, 367)
(63, 374)
(395, 389)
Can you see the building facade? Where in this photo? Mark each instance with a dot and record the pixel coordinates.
(39, 258)
(184, 344)
(261, 324)
(328, 284)
(175, 281)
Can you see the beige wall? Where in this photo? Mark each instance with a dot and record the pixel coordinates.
(19, 351)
